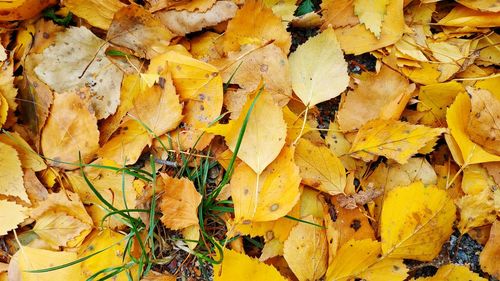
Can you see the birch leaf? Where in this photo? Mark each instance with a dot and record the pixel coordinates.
(371, 14)
(12, 214)
(453, 272)
(11, 174)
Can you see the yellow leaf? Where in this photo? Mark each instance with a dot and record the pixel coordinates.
(294, 125)
(453, 272)
(236, 266)
(137, 29)
(320, 168)
(481, 5)
(12, 215)
(393, 139)
(97, 12)
(29, 158)
(264, 135)
(269, 195)
(87, 66)
(374, 96)
(255, 22)
(490, 255)
(178, 202)
(306, 250)
(23, 9)
(463, 16)
(465, 152)
(31, 259)
(112, 257)
(4, 110)
(70, 132)
(371, 14)
(489, 52)
(434, 100)
(318, 68)
(11, 174)
(416, 221)
(361, 259)
(476, 179)
(476, 210)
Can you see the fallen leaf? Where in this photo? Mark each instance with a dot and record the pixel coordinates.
(255, 24)
(12, 215)
(268, 195)
(178, 202)
(306, 250)
(464, 150)
(265, 132)
(434, 100)
(96, 12)
(318, 69)
(488, 259)
(453, 272)
(28, 157)
(371, 14)
(476, 210)
(184, 22)
(415, 222)
(86, 66)
(236, 266)
(393, 139)
(361, 259)
(23, 9)
(320, 168)
(463, 16)
(359, 198)
(11, 174)
(63, 141)
(481, 5)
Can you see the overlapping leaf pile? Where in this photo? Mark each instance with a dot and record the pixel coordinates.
(94, 93)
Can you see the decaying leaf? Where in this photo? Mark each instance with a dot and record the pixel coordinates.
(415, 222)
(393, 139)
(320, 168)
(178, 202)
(318, 69)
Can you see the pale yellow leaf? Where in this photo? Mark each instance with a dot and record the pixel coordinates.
(98, 13)
(11, 214)
(371, 14)
(29, 158)
(58, 228)
(11, 174)
(434, 100)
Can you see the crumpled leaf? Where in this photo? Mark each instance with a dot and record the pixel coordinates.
(306, 250)
(264, 135)
(255, 24)
(12, 215)
(371, 14)
(268, 195)
(70, 132)
(361, 259)
(453, 272)
(11, 174)
(383, 95)
(184, 22)
(28, 258)
(318, 69)
(484, 120)
(135, 28)
(416, 221)
(98, 13)
(320, 168)
(85, 64)
(393, 139)
(489, 257)
(463, 149)
(236, 266)
(178, 202)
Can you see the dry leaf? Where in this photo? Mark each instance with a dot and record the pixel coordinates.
(11, 174)
(393, 139)
(491, 253)
(98, 13)
(12, 215)
(434, 100)
(462, 16)
(28, 157)
(318, 68)
(23, 9)
(320, 168)
(371, 14)
(178, 202)
(71, 133)
(453, 272)
(416, 221)
(306, 250)
(476, 210)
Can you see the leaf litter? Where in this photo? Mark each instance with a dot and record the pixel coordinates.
(249, 140)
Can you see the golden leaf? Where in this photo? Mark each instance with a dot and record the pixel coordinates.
(264, 135)
(256, 24)
(476, 210)
(453, 272)
(12, 215)
(481, 5)
(4, 110)
(306, 250)
(490, 255)
(28, 258)
(11, 174)
(294, 125)
(97, 12)
(178, 202)
(236, 266)
(463, 16)
(29, 158)
(320, 168)
(361, 259)
(318, 69)
(416, 221)
(70, 132)
(465, 151)
(23, 9)
(434, 99)
(268, 195)
(371, 14)
(393, 139)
